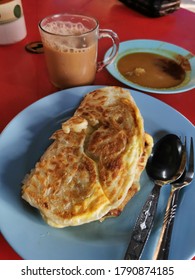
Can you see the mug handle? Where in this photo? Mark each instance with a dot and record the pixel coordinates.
(107, 33)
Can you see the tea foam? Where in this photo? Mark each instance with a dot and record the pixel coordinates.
(66, 44)
(65, 28)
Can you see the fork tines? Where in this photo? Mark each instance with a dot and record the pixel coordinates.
(191, 158)
(189, 172)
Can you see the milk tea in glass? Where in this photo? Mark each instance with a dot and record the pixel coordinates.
(70, 46)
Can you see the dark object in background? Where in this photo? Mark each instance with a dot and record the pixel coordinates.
(153, 8)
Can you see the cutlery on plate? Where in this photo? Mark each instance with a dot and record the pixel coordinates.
(162, 250)
(165, 165)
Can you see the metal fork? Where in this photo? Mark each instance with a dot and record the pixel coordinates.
(162, 250)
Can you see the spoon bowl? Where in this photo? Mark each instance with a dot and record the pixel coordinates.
(165, 163)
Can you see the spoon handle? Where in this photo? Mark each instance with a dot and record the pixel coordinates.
(143, 226)
(162, 250)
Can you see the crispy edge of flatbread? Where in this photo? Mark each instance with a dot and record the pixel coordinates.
(136, 184)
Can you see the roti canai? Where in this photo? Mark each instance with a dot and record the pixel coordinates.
(93, 166)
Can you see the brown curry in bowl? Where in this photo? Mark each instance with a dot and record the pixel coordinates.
(154, 70)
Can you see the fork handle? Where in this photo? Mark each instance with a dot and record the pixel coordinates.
(162, 250)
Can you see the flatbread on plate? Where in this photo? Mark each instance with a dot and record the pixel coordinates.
(92, 168)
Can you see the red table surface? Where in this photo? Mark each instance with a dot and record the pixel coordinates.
(24, 78)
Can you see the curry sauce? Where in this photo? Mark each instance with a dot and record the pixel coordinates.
(151, 70)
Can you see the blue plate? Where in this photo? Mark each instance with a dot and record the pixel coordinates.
(22, 143)
(152, 46)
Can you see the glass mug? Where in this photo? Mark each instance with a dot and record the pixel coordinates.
(70, 45)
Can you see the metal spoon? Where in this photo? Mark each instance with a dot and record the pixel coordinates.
(165, 165)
